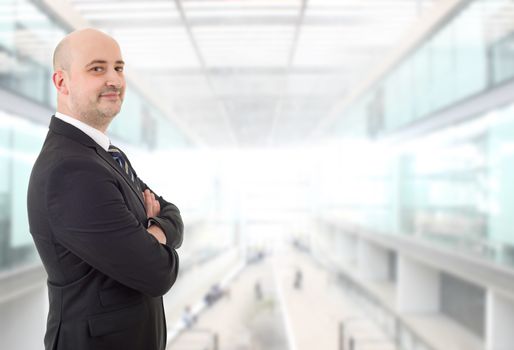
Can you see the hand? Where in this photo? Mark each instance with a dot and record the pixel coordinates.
(158, 233)
(152, 206)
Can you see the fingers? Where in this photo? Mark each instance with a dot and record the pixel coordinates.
(152, 205)
(156, 206)
(148, 203)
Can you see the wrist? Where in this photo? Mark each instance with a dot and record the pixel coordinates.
(152, 221)
(158, 233)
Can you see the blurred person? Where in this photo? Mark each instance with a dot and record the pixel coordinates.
(188, 318)
(106, 240)
(257, 290)
(298, 279)
(213, 295)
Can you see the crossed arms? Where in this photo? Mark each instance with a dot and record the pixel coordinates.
(89, 216)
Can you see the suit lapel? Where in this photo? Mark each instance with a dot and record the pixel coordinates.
(63, 128)
(108, 158)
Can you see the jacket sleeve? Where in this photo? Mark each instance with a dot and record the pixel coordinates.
(169, 220)
(89, 216)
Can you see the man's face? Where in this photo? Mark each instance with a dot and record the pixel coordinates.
(96, 80)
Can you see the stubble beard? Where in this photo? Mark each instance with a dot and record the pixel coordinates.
(92, 113)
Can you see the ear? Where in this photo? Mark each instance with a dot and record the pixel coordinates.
(60, 82)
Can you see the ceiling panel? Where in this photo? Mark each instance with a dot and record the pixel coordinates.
(253, 73)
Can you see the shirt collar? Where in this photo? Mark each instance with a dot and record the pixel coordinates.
(99, 137)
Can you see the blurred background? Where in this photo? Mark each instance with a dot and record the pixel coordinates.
(344, 168)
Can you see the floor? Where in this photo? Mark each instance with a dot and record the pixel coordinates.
(262, 309)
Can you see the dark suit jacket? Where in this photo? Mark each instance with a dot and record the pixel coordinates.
(106, 274)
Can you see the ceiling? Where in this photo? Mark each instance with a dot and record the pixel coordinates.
(253, 73)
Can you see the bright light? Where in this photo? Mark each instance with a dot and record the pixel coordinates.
(149, 16)
(238, 13)
(219, 4)
(126, 6)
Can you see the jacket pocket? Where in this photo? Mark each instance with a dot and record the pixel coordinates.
(117, 320)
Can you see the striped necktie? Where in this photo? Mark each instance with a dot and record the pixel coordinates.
(120, 159)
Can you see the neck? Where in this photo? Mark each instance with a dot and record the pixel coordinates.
(102, 127)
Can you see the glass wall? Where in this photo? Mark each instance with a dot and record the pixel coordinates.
(459, 192)
(20, 142)
(453, 188)
(443, 192)
(471, 53)
(27, 39)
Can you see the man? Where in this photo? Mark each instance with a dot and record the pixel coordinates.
(106, 241)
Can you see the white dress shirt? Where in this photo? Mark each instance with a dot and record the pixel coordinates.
(98, 136)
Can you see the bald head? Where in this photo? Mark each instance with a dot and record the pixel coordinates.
(64, 51)
(61, 56)
(89, 77)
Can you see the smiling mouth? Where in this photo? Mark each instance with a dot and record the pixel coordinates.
(110, 96)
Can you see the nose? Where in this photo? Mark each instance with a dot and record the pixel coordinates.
(114, 80)
(116, 83)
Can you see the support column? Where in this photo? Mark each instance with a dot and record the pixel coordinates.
(499, 321)
(418, 287)
(373, 261)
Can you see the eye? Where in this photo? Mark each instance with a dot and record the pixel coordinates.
(119, 69)
(97, 69)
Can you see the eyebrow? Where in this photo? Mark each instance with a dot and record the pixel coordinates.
(103, 62)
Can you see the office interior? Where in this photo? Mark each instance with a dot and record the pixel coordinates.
(344, 168)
